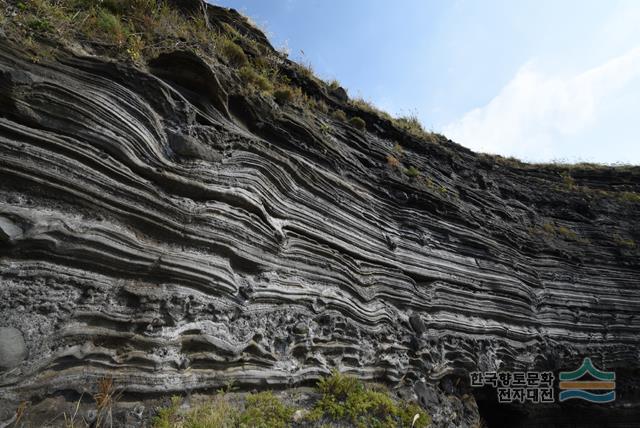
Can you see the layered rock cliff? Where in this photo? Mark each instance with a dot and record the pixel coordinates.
(165, 226)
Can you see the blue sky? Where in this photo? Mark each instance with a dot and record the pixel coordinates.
(540, 80)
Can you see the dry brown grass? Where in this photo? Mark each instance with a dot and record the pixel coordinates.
(105, 398)
(20, 412)
(393, 161)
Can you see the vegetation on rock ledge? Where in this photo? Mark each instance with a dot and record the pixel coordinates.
(344, 401)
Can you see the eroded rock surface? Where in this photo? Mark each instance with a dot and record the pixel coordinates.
(161, 227)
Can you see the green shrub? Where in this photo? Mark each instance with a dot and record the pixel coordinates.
(216, 413)
(408, 411)
(233, 53)
(167, 416)
(305, 69)
(410, 123)
(261, 410)
(255, 79)
(346, 398)
(339, 386)
(339, 115)
(37, 24)
(357, 122)
(109, 26)
(265, 410)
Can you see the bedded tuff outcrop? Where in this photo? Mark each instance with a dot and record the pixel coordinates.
(162, 226)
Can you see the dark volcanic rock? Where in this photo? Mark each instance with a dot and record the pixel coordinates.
(160, 226)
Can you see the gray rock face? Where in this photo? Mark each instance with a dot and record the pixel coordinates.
(12, 348)
(176, 240)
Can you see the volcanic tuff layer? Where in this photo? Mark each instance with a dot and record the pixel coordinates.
(164, 227)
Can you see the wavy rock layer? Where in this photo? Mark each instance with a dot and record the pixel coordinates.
(161, 228)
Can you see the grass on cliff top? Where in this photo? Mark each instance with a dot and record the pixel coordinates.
(120, 28)
(141, 29)
(344, 401)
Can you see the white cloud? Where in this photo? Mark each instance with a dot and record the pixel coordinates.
(534, 112)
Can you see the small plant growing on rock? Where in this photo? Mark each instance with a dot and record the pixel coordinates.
(412, 172)
(345, 398)
(41, 25)
(563, 232)
(567, 233)
(266, 410)
(283, 95)
(393, 161)
(318, 105)
(255, 79)
(233, 53)
(369, 107)
(412, 125)
(339, 115)
(325, 128)
(135, 46)
(628, 243)
(357, 122)
(260, 410)
(630, 196)
(333, 84)
(105, 398)
(568, 181)
(111, 27)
